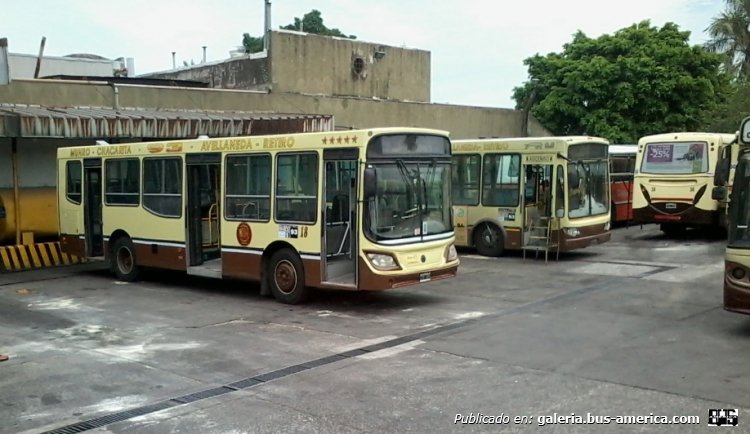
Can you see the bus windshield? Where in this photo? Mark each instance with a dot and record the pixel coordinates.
(591, 195)
(679, 158)
(739, 205)
(412, 200)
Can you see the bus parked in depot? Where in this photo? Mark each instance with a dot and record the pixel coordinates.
(737, 259)
(547, 194)
(350, 210)
(621, 169)
(674, 180)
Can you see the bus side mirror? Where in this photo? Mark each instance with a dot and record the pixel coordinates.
(722, 172)
(560, 213)
(370, 183)
(718, 193)
(574, 180)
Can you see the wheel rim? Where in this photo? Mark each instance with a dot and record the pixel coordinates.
(488, 237)
(285, 276)
(124, 260)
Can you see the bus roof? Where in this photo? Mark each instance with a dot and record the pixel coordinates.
(524, 144)
(567, 139)
(623, 149)
(275, 142)
(688, 136)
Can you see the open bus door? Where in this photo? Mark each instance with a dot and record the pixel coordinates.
(203, 199)
(537, 208)
(339, 242)
(92, 207)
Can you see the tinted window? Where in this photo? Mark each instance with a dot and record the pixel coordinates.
(248, 187)
(500, 180)
(465, 179)
(297, 187)
(162, 186)
(122, 177)
(73, 181)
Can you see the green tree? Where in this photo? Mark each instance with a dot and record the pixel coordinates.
(730, 36)
(640, 80)
(251, 43)
(311, 22)
(726, 118)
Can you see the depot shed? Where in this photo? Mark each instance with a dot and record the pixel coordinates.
(30, 136)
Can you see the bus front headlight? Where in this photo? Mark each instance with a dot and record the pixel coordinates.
(450, 253)
(572, 232)
(606, 226)
(738, 273)
(383, 261)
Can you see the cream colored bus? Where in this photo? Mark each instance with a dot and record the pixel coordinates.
(737, 258)
(547, 194)
(350, 210)
(674, 180)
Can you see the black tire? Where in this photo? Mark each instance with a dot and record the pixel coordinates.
(672, 229)
(286, 277)
(488, 240)
(124, 261)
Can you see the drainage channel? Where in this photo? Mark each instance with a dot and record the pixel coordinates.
(289, 370)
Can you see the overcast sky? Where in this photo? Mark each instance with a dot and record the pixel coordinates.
(478, 46)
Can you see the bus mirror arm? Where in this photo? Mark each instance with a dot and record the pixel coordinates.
(718, 193)
(721, 176)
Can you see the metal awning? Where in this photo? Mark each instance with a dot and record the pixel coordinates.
(22, 121)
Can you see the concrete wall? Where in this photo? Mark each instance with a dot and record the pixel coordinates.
(312, 64)
(36, 161)
(24, 65)
(238, 73)
(461, 121)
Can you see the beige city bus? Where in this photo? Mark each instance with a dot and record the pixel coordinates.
(674, 180)
(350, 210)
(548, 194)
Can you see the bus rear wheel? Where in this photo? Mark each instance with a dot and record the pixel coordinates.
(488, 240)
(123, 260)
(286, 277)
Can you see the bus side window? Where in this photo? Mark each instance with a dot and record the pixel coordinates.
(73, 170)
(531, 184)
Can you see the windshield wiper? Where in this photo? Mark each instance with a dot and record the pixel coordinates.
(407, 177)
(431, 172)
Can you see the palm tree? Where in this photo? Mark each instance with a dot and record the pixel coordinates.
(730, 35)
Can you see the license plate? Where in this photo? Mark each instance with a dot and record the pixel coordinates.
(424, 277)
(671, 205)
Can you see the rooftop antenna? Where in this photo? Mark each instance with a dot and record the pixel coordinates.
(204, 54)
(174, 61)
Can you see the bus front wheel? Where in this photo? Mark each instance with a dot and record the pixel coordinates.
(123, 260)
(488, 240)
(286, 277)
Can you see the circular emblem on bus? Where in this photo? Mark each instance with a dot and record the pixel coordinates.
(423, 258)
(244, 234)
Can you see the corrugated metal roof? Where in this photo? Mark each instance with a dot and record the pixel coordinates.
(97, 122)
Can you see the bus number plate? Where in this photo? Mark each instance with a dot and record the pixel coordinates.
(424, 277)
(671, 205)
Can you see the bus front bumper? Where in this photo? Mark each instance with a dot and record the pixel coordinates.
(370, 281)
(589, 235)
